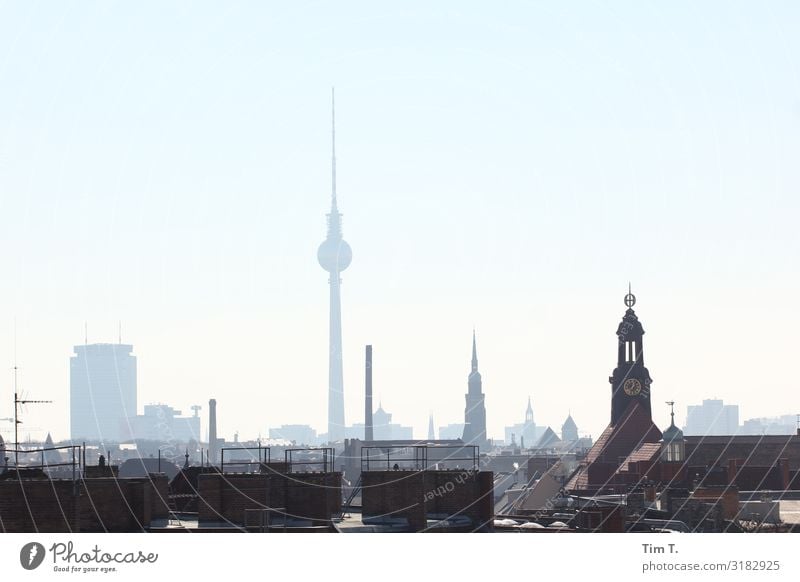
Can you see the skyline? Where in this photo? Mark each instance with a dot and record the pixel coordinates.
(512, 177)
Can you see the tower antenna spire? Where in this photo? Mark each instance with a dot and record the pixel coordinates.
(333, 146)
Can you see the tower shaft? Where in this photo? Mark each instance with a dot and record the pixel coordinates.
(335, 371)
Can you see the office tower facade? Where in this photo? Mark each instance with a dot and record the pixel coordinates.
(334, 255)
(711, 418)
(102, 391)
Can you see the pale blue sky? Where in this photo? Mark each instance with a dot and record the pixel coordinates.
(509, 167)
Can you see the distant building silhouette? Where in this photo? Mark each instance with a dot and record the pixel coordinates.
(475, 411)
(524, 434)
(300, 434)
(785, 424)
(569, 430)
(431, 432)
(713, 417)
(451, 431)
(163, 423)
(384, 429)
(102, 391)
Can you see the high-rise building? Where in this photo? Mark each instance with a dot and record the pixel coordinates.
(712, 418)
(102, 391)
(334, 255)
(475, 411)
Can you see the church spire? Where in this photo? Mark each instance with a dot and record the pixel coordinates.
(474, 352)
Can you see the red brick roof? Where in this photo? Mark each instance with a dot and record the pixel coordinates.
(645, 452)
(616, 445)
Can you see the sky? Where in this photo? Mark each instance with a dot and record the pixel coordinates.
(508, 167)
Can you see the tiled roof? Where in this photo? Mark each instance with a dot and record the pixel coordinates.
(645, 452)
(618, 441)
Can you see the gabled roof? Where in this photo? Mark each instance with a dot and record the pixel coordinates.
(617, 443)
(547, 439)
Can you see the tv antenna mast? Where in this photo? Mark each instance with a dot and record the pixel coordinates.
(17, 403)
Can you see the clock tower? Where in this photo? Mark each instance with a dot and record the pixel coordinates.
(630, 381)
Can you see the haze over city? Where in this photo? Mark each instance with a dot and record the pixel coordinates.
(509, 171)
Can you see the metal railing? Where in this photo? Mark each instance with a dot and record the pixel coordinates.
(311, 457)
(264, 456)
(419, 457)
(75, 459)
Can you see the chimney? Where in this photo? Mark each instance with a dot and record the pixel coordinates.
(212, 430)
(368, 436)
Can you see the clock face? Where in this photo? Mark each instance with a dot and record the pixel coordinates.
(632, 387)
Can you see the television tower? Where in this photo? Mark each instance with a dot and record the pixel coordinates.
(334, 255)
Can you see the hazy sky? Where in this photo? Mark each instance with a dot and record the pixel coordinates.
(510, 167)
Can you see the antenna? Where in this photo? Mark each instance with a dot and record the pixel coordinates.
(17, 403)
(333, 145)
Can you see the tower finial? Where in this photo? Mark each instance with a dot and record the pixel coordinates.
(333, 147)
(630, 298)
(671, 404)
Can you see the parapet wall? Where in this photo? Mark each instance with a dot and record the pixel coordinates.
(308, 496)
(89, 505)
(421, 495)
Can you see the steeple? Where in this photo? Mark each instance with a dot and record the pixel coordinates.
(475, 411)
(630, 380)
(474, 353)
(529, 412)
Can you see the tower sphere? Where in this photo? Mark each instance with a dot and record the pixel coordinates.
(334, 255)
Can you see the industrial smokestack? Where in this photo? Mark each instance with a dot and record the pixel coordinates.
(212, 430)
(368, 436)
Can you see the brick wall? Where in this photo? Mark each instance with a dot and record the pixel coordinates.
(394, 494)
(91, 505)
(312, 496)
(418, 495)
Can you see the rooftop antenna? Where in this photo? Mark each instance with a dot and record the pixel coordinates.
(17, 403)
